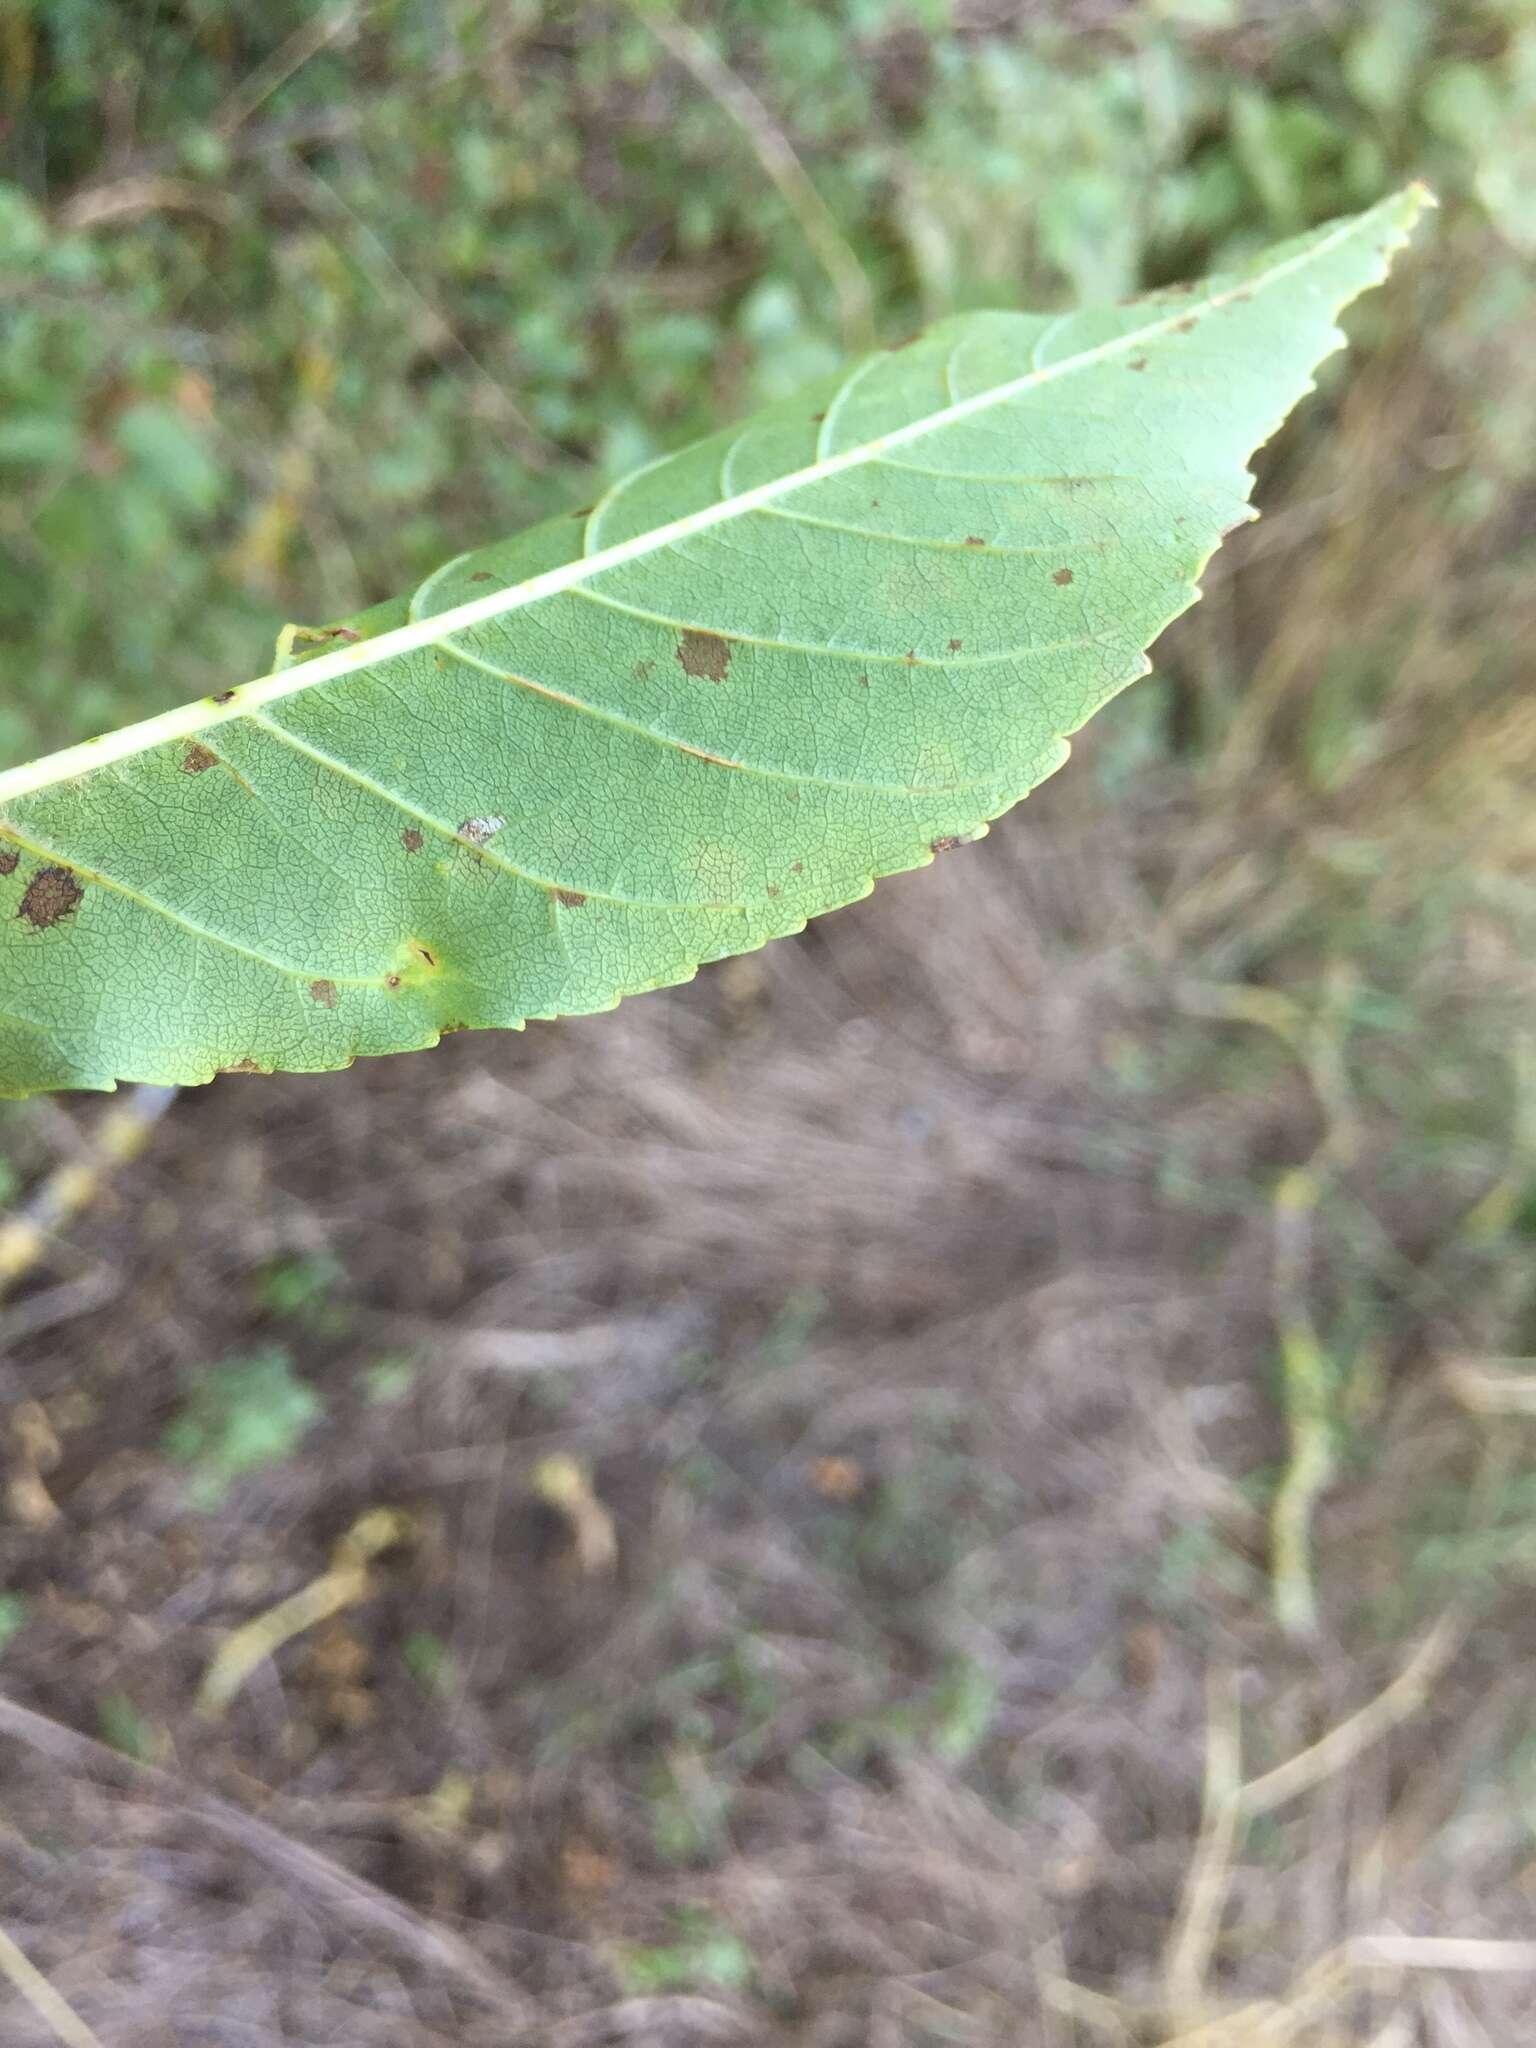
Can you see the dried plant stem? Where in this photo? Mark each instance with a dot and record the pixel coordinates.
(120, 1136)
(47, 2003)
(348, 1581)
(294, 1864)
(1306, 1378)
(1336, 1750)
(1307, 1394)
(1205, 1887)
(1492, 1386)
(1230, 1805)
(817, 222)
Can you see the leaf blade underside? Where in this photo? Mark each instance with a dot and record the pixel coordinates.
(758, 675)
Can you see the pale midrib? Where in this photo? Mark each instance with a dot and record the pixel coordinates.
(203, 715)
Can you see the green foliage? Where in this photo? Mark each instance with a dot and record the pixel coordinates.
(704, 1955)
(689, 1811)
(123, 1727)
(440, 275)
(428, 1659)
(13, 1617)
(752, 679)
(961, 1711)
(304, 1290)
(238, 1417)
(390, 1378)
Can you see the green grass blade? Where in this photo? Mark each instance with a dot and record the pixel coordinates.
(758, 675)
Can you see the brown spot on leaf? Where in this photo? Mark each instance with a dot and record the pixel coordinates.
(955, 646)
(245, 1066)
(705, 655)
(643, 669)
(1187, 325)
(391, 982)
(911, 657)
(1179, 518)
(797, 867)
(585, 512)
(482, 576)
(224, 697)
(946, 845)
(974, 540)
(199, 760)
(448, 1030)
(1137, 363)
(411, 839)
(773, 889)
(570, 899)
(423, 953)
(316, 633)
(323, 993)
(863, 682)
(8, 860)
(1062, 577)
(52, 895)
(817, 418)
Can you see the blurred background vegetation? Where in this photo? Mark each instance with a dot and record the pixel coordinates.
(1186, 1134)
(301, 299)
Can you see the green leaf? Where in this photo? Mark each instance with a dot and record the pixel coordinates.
(237, 1418)
(757, 675)
(124, 1728)
(13, 1616)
